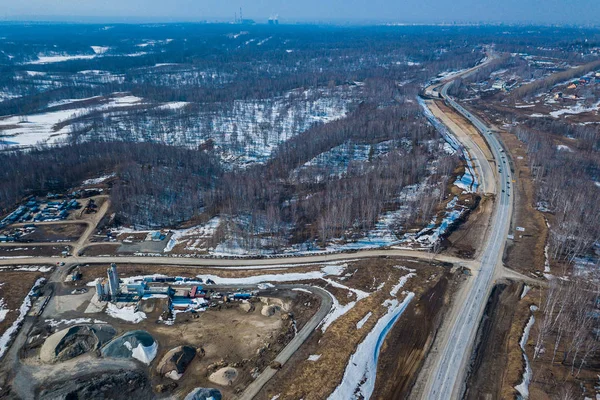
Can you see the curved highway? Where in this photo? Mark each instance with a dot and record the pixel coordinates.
(447, 378)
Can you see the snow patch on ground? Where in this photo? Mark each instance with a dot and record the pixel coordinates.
(302, 290)
(54, 323)
(314, 357)
(98, 180)
(143, 353)
(126, 313)
(526, 289)
(361, 323)
(27, 268)
(523, 387)
(327, 270)
(23, 310)
(401, 283)
(576, 109)
(359, 377)
(100, 49)
(3, 310)
(42, 127)
(49, 59)
(193, 235)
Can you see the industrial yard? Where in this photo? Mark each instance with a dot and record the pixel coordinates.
(169, 329)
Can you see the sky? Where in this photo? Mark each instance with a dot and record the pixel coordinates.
(337, 11)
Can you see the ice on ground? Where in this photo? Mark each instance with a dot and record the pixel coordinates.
(126, 313)
(23, 310)
(314, 357)
(35, 73)
(337, 310)
(334, 269)
(360, 323)
(359, 377)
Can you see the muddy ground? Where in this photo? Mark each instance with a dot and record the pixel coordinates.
(497, 357)
(102, 249)
(312, 380)
(469, 237)
(33, 251)
(14, 286)
(409, 342)
(56, 232)
(526, 252)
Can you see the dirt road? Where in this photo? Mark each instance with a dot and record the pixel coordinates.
(285, 354)
(242, 263)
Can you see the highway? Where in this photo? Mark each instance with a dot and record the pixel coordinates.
(447, 378)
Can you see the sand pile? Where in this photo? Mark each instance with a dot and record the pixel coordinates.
(176, 361)
(225, 376)
(74, 341)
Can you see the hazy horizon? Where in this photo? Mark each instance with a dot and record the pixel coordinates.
(561, 12)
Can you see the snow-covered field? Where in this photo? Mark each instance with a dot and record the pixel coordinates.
(42, 128)
(194, 237)
(55, 58)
